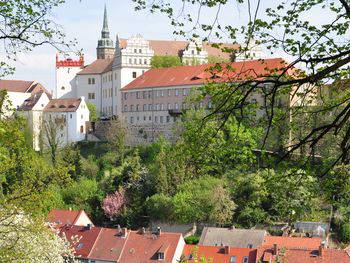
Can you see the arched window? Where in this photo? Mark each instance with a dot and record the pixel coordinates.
(125, 108)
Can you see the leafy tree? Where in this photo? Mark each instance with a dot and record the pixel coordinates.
(113, 203)
(284, 28)
(70, 157)
(203, 200)
(159, 206)
(25, 25)
(93, 115)
(25, 239)
(345, 232)
(165, 61)
(214, 60)
(116, 137)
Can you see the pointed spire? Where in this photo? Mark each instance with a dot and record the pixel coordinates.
(105, 21)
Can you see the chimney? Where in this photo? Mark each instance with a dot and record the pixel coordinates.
(124, 232)
(143, 230)
(227, 250)
(159, 231)
(88, 226)
(275, 249)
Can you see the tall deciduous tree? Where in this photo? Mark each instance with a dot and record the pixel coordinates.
(320, 49)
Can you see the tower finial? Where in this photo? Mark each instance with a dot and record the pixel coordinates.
(105, 21)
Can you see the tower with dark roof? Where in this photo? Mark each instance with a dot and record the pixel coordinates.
(105, 46)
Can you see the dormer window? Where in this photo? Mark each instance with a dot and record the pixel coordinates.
(63, 88)
(160, 256)
(233, 259)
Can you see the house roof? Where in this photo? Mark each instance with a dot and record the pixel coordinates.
(175, 48)
(15, 85)
(239, 238)
(97, 67)
(313, 256)
(23, 86)
(29, 103)
(292, 242)
(144, 247)
(200, 74)
(218, 255)
(108, 246)
(87, 238)
(62, 216)
(63, 105)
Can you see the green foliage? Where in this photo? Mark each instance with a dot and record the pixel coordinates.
(214, 60)
(192, 240)
(159, 206)
(165, 61)
(345, 232)
(93, 115)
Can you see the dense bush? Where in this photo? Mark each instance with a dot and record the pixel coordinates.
(345, 232)
(192, 240)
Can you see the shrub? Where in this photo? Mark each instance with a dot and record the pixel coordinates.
(192, 240)
(345, 232)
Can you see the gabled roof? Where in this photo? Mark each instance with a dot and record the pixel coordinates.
(63, 105)
(29, 103)
(63, 217)
(108, 246)
(15, 85)
(239, 238)
(97, 67)
(292, 242)
(218, 254)
(175, 48)
(313, 256)
(200, 74)
(87, 238)
(144, 247)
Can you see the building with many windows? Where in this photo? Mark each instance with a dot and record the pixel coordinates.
(119, 64)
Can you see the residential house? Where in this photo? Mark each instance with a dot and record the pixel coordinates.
(219, 254)
(69, 217)
(232, 237)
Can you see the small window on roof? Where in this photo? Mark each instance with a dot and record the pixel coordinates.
(63, 88)
(233, 259)
(80, 246)
(160, 256)
(71, 106)
(250, 245)
(245, 259)
(62, 106)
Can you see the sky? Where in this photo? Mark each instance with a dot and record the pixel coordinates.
(82, 19)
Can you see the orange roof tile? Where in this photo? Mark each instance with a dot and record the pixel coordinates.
(217, 254)
(97, 67)
(108, 246)
(87, 238)
(199, 74)
(15, 85)
(63, 105)
(62, 216)
(292, 242)
(312, 256)
(144, 247)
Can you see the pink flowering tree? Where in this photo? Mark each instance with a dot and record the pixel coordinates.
(113, 204)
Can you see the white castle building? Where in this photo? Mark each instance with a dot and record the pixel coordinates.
(118, 64)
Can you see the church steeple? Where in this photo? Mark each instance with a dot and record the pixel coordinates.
(105, 47)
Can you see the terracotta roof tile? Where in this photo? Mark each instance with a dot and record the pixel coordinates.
(62, 216)
(199, 74)
(218, 255)
(15, 85)
(292, 242)
(97, 67)
(108, 246)
(312, 256)
(144, 247)
(87, 238)
(63, 105)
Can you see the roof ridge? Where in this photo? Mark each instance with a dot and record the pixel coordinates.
(95, 241)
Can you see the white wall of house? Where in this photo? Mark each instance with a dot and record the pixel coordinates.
(65, 82)
(178, 250)
(83, 220)
(91, 92)
(14, 100)
(77, 123)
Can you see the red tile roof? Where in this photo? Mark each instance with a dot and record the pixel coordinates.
(97, 67)
(15, 85)
(312, 256)
(108, 246)
(62, 216)
(144, 247)
(199, 74)
(217, 254)
(63, 105)
(292, 242)
(87, 238)
(175, 48)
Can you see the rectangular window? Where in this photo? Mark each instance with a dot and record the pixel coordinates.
(71, 115)
(156, 119)
(149, 94)
(81, 129)
(131, 119)
(93, 81)
(150, 118)
(167, 118)
(233, 259)
(89, 81)
(138, 95)
(245, 259)
(169, 92)
(134, 75)
(176, 92)
(150, 107)
(144, 94)
(161, 93)
(161, 119)
(183, 92)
